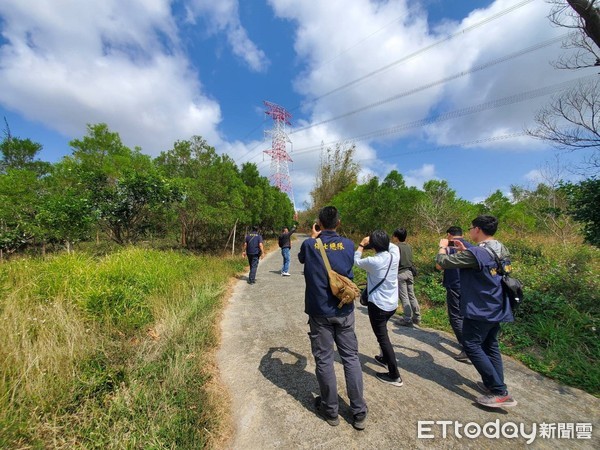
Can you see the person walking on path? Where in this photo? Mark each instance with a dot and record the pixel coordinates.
(254, 250)
(406, 281)
(285, 244)
(329, 324)
(451, 282)
(483, 305)
(382, 290)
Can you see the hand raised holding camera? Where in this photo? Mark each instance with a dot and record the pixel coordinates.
(365, 242)
(315, 231)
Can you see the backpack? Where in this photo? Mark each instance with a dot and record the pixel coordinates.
(511, 287)
(342, 287)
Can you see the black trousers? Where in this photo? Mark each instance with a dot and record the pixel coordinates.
(379, 319)
(454, 315)
(253, 261)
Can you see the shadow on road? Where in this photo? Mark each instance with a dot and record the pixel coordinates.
(293, 378)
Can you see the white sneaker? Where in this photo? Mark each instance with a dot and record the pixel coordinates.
(285, 274)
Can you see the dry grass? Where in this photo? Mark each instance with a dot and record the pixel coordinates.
(72, 379)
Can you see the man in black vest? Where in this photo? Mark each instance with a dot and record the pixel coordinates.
(483, 305)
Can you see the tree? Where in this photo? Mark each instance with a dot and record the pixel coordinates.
(439, 208)
(548, 205)
(20, 154)
(572, 120)
(584, 207)
(216, 194)
(125, 207)
(64, 216)
(337, 171)
(21, 190)
(19, 198)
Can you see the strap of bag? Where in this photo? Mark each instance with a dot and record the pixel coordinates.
(324, 255)
(500, 269)
(384, 277)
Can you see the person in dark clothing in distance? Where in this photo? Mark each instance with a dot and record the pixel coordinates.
(285, 244)
(254, 250)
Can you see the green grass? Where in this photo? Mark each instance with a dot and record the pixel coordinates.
(111, 351)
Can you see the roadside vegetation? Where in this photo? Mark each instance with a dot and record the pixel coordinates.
(112, 352)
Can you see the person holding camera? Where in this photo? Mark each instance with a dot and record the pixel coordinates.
(451, 282)
(285, 244)
(329, 324)
(406, 281)
(483, 305)
(254, 250)
(382, 290)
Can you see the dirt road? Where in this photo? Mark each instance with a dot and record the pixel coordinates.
(265, 362)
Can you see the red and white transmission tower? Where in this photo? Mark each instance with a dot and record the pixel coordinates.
(280, 174)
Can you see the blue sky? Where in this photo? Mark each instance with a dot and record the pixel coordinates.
(157, 71)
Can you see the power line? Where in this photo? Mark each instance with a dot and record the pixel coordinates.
(492, 104)
(421, 50)
(445, 146)
(407, 57)
(359, 42)
(439, 82)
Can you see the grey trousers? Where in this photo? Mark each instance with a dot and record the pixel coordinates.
(324, 332)
(406, 292)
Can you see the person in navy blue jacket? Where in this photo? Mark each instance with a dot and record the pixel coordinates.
(483, 305)
(451, 282)
(329, 324)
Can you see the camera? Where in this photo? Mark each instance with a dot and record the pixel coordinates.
(317, 227)
(450, 243)
(368, 246)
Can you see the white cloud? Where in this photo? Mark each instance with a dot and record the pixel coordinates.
(106, 61)
(223, 16)
(417, 177)
(534, 176)
(338, 58)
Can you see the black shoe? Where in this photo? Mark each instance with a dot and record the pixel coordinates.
(380, 361)
(385, 377)
(360, 421)
(333, 421)
(462, 357)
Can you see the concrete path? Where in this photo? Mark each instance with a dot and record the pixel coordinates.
(266, 363)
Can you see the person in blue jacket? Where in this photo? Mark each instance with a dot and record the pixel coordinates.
(329, 324)
(483, 305)
(451, 282)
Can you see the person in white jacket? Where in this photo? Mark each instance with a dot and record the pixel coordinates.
(382, 289)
